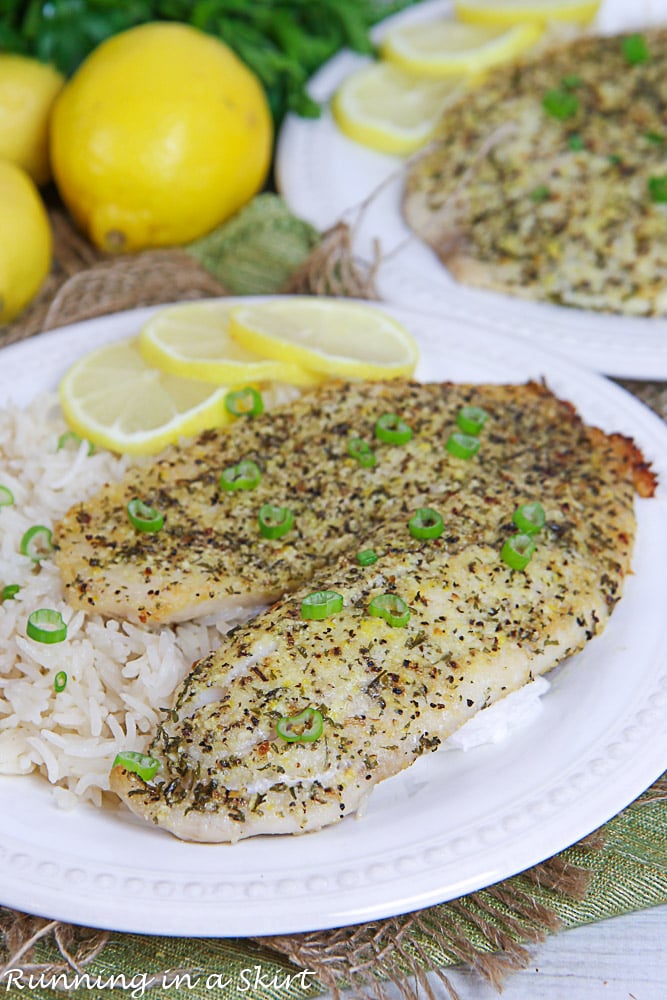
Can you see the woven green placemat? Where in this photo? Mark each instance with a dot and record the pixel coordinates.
(620, 869)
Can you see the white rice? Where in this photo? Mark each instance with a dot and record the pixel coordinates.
(119, 675)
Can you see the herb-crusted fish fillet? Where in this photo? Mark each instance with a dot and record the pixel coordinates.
(292, 721)
(548, 181)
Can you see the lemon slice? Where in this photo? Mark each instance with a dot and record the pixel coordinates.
(114, 399)
(383, 107)
(193, 341)
(536, 11)
(331, 336)
(447, 47)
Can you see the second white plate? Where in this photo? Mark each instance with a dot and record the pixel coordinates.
(324, 176)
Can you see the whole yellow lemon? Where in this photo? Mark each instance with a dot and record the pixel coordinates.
(28, 89)
(159, 136)
(25, 240)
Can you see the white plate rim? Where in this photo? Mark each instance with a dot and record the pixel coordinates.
(67, 865)
(324, 176)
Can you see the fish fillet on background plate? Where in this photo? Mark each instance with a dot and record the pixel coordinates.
(291, 722)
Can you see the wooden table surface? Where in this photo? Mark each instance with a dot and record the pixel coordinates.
(624, 958)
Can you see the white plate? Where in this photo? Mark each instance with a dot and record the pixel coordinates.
(324, 176)
(450, 824)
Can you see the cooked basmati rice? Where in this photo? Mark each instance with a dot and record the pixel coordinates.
(119, 675)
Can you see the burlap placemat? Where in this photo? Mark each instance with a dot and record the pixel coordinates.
(618, 869)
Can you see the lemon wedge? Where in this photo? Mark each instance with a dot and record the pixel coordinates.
(330, 336)
(193, 341)
(506, 12)
(114, 399)
(446, 47)
(389, 110)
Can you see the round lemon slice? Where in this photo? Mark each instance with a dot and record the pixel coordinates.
(506, 12)
(330, 336)
(389, 110)
(114, 399)
(193, 341)
(447, 47)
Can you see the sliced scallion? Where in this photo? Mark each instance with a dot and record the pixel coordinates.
(462, 445)
(9, 592)
(37, 542)
(530, 518)
(144, 517)
(392, 608)
(362, 451)
(139, 763)
(6, 496)
(60, 681)
(561, 104)
(244, 475)
(392, 429)
(321, 604)
(471, 419)
(245, 402)
(46, 625)
(71, 437)
(306, 727)
(657, 189)
(518, 551)
(635, 49)
(426, 523)
(367, 557)
(274, 522)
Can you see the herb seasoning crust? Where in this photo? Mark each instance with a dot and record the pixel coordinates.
(476, 630)
(549, 181)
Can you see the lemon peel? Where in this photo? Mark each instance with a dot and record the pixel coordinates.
(160, 135)
(329, 336)
(114, 399)
(383, 107)
(193, 341)
(25, 241)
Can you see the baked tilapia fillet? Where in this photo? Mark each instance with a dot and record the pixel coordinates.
(288, 725)
(547, 181)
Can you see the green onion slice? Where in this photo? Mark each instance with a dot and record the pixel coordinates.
(306, 727)
(635, 49)
(244, 475)
(71, 437)
(518, 551)
(471, 419)
(144, 517)
(656, 138)
(244, 402)
(139, 763)
(462, 445)
(561, 104)
(367, 557)
(9, 592)
(362, 451)
(392, 608)
(37, 542)
(6, 496)
(274, 522)
(426, 523)
(540, 193)
(60, 681)
(46, 625)
(575, 142)
(530, 518)
(657, 188)
(321, 604)
(391, 429)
